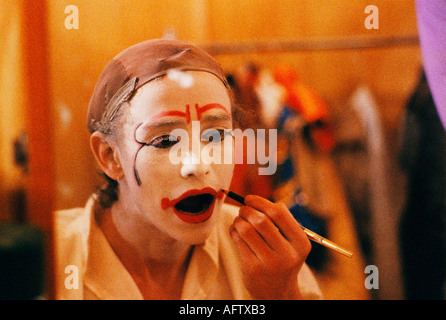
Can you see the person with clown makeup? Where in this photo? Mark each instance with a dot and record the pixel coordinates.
(159, 229)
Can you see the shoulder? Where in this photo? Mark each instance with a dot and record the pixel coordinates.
(71, 231)
(73, 223)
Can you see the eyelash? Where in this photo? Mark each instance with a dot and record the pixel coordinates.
(158, 142)
(209, 134)
(167, 141)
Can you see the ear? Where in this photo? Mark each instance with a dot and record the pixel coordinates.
(106, 155)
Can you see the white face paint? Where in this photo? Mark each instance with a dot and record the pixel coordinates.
(179, 200)
(184, 79)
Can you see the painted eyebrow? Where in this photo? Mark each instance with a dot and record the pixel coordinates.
(174, 113)
(166, 123)
(203, 109)
(160, 123)
(217, 117)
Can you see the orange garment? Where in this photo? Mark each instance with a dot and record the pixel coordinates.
(304, 100)
(246, 179)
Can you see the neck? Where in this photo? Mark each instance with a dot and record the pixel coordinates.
(156, 262)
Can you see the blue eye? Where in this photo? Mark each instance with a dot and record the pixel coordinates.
(214, 135)
(164, 142)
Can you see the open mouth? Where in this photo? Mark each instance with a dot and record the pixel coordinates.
(194, 206)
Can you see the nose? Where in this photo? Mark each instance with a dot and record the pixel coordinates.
(192, 165)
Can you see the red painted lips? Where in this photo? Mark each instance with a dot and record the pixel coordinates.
(193, 206)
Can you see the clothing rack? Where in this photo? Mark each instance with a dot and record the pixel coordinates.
(314, 44)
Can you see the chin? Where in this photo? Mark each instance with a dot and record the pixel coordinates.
(194, 234)
(198, 233)
(196, 228)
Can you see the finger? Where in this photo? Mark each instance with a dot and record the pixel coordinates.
(252, 238)
(280, 216)
(247, 256)
(265, 227)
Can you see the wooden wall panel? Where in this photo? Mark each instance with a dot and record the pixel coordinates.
(11, 108)
(40, 182)
(390, 72)
(12, 120)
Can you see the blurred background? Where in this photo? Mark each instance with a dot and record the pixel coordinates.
(344, 98)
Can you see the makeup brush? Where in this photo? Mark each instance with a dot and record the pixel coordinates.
(310, 234)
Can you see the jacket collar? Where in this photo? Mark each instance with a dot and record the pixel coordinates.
(107, 278)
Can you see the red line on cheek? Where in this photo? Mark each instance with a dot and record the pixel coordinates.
(201, 110)
(165, 203)
(220, 194)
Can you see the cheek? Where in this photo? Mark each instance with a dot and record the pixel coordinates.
(224, 173)
(148, 165)
(156, 184)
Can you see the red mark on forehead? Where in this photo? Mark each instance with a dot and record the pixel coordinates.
(203, 109)
(172, 113)
(200, 111)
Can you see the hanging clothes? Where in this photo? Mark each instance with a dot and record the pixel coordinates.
(350, 155)
(378, 223)
(308, 183)
(305, 101)
(246, 178)
(422, 227)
